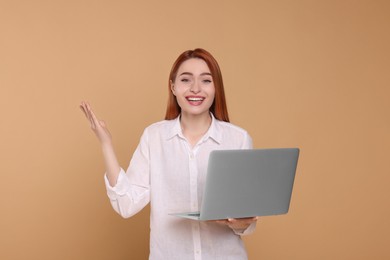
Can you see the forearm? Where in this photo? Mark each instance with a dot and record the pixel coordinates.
(111, 163)
(104, 136)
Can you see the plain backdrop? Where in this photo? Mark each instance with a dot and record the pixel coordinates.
(305, 73)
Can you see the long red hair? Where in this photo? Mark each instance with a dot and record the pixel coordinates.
(219, 107)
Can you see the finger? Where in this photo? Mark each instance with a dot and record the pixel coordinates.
(251, 220)
(86, 112)
(89, 117)
(84, 109)
(247, 219)
(102, 123)
(222, 222)
(243, 220)
(94, 118)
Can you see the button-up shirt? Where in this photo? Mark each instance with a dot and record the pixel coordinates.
(170, 174)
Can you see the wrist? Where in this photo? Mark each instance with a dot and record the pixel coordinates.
(106, 145)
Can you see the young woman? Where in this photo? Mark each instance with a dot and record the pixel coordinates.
(169, 165)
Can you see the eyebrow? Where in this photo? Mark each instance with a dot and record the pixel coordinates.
(190, 74)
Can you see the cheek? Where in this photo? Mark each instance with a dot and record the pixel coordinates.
(212, 92)
(212, 97)
(177, 91)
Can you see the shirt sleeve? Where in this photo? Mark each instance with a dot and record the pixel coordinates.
(131, 193)
(247, 142)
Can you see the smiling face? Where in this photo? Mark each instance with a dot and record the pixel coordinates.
(194, 88)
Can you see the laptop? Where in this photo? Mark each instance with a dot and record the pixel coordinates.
(247, 183)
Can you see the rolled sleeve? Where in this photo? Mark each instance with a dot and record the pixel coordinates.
(120, 188)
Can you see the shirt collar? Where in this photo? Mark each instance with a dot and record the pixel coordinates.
(213, 132)
(175, 129)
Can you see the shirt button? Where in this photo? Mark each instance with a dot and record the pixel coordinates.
(191, 156)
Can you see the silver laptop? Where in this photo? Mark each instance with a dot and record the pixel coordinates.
(247, 183)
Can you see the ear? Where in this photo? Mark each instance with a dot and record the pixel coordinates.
(172, 87)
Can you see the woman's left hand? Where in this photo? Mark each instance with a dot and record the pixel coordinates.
(237, 223)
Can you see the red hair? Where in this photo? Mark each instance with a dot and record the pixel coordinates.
(219, 107)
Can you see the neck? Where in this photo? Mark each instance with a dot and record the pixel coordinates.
(194, 127)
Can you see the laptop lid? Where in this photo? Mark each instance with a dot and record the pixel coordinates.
(247, 183)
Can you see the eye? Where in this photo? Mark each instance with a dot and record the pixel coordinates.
(207, 81)
(184, 80)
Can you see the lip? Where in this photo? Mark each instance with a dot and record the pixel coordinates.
(195, 100)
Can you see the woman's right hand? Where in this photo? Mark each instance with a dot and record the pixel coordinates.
(104, 136)
(97, 126)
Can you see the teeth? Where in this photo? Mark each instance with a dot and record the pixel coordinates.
(195, 99)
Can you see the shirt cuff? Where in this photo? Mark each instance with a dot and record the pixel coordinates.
(121, 187)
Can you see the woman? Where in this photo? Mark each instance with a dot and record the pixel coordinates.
(169, 165)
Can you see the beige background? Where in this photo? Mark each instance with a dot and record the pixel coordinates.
(310, 74)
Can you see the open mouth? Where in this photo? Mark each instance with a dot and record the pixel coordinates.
(195, 99)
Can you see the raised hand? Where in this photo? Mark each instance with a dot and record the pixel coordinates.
(104, 136)
(97, 126)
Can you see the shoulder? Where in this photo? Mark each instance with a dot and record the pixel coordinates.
(232, 136)
(229, 127)
(160, 127)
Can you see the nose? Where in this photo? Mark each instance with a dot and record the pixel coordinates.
(195, 88)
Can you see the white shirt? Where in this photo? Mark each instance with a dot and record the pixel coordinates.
(168, 173)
